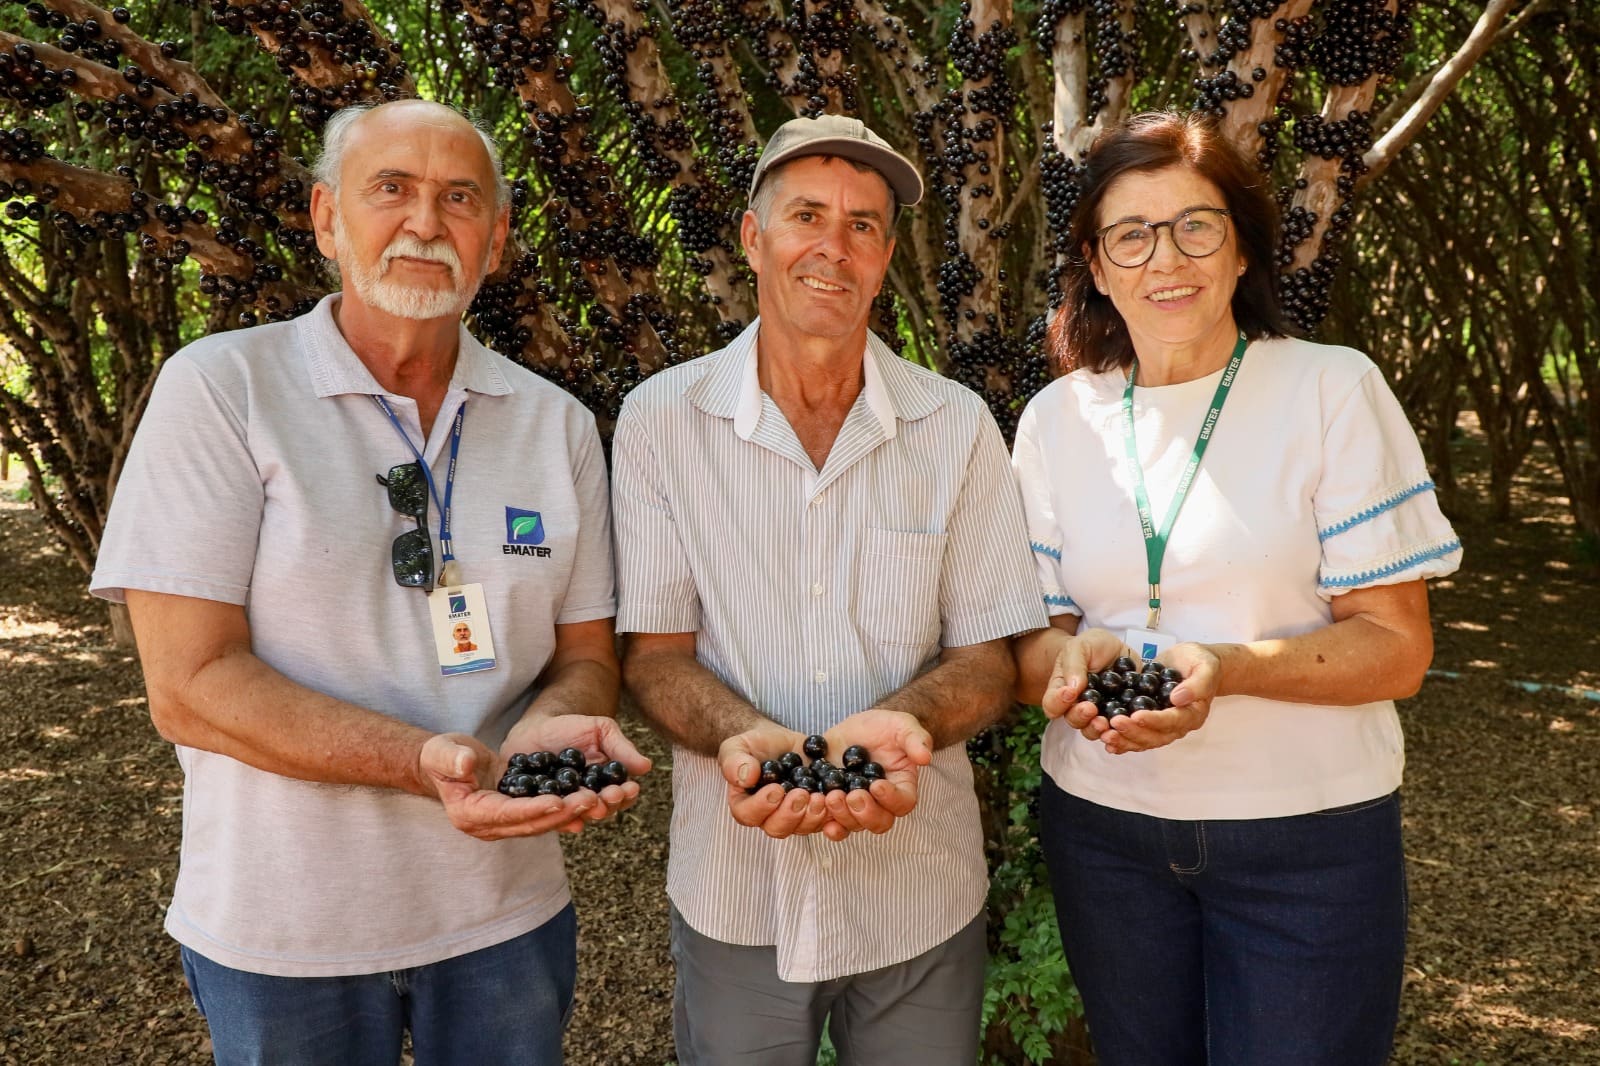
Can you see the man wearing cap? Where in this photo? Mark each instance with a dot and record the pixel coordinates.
(817, 537)
(349, 871)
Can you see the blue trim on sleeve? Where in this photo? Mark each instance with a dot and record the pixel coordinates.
(1414, 559)
(1053, 600)
(1045, 549)
(1375, 510)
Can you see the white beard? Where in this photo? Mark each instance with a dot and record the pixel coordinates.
(383, 293)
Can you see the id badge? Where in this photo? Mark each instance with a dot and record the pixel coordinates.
(1148, 644)
(461, 629)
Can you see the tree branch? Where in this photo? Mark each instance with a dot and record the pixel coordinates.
(88, 194)
(584, 203)
(1440, 85)
(225, 141)
(701, 209)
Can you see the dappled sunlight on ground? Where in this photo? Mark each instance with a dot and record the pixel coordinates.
(1487, 1002)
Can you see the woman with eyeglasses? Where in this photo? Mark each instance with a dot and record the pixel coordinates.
(1253, 511)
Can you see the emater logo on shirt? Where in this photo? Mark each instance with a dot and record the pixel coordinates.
(524, 533)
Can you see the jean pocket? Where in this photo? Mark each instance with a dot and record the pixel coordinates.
(897, 583)
(1355, 808)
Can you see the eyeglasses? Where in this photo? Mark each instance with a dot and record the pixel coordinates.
(1196, 233)
(412, 553)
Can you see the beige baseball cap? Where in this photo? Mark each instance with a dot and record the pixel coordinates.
(847, 138)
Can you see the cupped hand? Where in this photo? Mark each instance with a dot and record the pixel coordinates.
(895, 741)
(770, 809)
(1191, 705)
(600, 739)
(463, 772)
(1090, 650)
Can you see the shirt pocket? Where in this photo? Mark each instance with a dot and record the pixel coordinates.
(898, 586)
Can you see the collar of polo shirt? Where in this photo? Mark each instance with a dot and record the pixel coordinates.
(337, 370)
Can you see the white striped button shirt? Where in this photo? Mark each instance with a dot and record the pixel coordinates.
(814, 594)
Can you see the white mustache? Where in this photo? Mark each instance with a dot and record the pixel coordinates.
(433, 251)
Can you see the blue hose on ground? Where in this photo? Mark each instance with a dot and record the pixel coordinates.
(1526, 686)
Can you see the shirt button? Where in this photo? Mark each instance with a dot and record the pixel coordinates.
(820, 676)
(817, 589)
(826, 862)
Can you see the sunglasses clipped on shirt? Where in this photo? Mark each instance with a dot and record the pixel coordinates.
(412, 552)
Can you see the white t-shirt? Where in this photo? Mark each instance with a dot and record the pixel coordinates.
(1313, 484)
(251, 481)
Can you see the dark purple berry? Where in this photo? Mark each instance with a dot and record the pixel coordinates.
(614, 773)
(815, 747)
(572, 757)
(854, 756)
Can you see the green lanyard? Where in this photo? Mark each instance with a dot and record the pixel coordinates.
(1155, 543)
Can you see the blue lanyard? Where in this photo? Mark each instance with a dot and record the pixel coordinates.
(1155, 541)
(446, 544)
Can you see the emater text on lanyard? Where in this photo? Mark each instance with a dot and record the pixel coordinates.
(1155, 542)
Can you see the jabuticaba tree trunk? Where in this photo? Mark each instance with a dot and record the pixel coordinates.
(963, 140)
(701, 202)
(597, 239)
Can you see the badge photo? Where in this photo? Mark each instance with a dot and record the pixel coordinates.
(461, 632)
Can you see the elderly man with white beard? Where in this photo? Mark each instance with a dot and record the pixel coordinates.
(309, 514)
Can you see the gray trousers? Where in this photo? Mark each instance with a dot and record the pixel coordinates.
(730, 1009)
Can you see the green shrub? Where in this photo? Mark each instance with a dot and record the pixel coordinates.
(1030, 1004)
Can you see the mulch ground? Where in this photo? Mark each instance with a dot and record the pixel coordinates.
(1503, 830)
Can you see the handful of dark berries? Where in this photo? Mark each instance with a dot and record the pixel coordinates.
(855, 771)
(545, 773)
(1125, 688)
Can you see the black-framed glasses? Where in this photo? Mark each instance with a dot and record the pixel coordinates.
(1197, 233)
(412, 553)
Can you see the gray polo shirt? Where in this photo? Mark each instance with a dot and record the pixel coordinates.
(813, 594)
(251, 481)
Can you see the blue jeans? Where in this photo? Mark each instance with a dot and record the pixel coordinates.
(1255, 942)
(504, 1004)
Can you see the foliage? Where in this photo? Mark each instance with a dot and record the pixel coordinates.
(1477, 280)
(1030, 1005)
